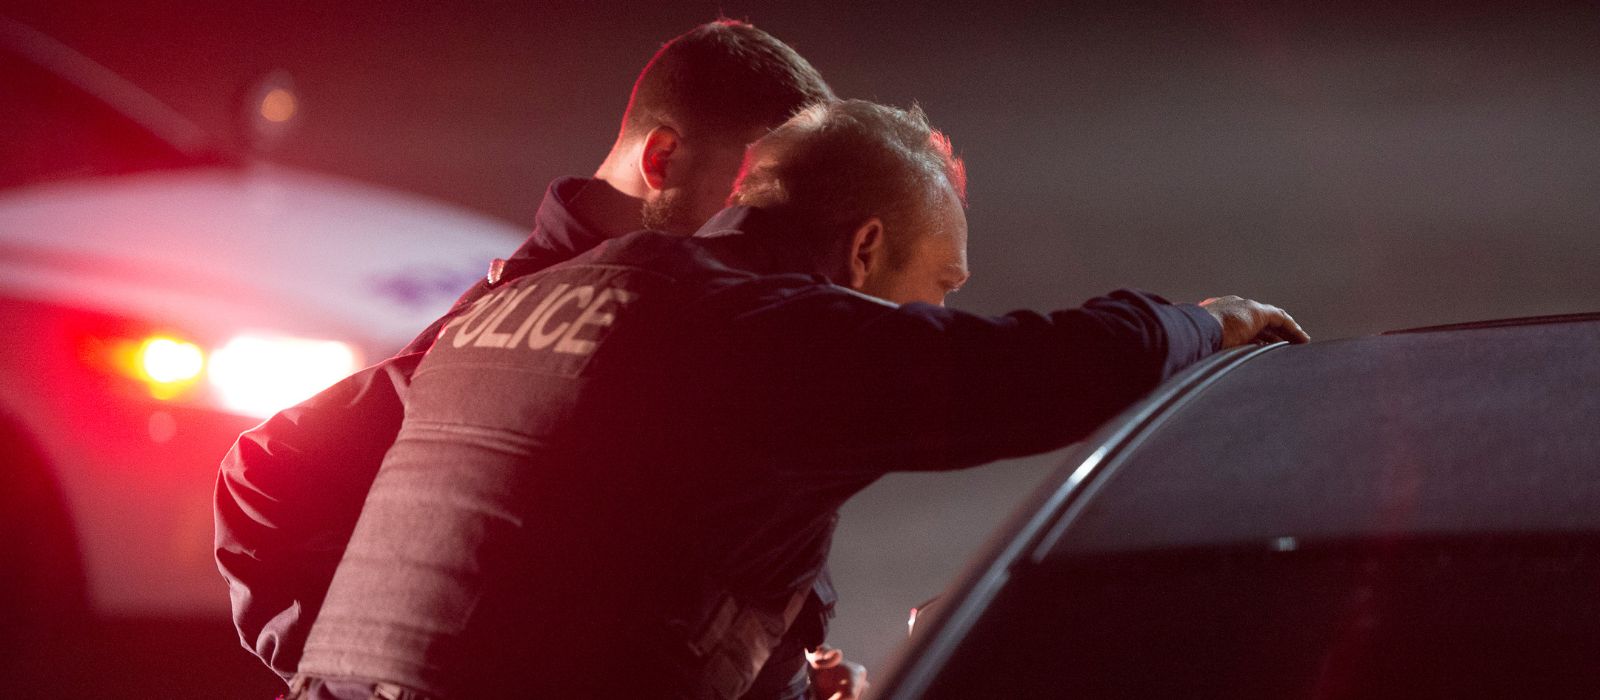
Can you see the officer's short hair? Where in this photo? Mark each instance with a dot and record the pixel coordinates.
(722, 79)
(836, 164)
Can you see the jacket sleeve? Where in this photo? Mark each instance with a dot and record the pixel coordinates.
(849, 383)
(287, 498)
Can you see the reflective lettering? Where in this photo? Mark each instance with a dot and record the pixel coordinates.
(538, 313)
(540, 339)
(466, 334)
(592, 316)
(461, 318)
(491, 338)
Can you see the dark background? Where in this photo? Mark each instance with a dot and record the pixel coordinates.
(1366, 167)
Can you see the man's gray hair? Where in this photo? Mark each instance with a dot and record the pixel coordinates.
(838, 163)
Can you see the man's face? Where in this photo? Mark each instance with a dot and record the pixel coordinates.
(937, 261)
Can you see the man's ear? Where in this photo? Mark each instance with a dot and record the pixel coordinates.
(866, 251)
(656, 156)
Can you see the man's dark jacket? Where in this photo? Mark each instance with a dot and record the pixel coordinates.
(621, 474)
(290, 490)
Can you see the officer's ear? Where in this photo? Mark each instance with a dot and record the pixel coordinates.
(655, 159)
(867, 252)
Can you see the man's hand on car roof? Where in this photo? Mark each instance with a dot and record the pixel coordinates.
(1245, 321)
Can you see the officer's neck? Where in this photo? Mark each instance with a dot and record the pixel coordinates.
(606, 209)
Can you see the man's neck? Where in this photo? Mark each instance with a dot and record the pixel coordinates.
(606, 209)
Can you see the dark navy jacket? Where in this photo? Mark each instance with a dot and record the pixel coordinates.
(640, 454)
(289, 491)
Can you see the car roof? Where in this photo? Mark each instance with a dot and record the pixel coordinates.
(183, 233)
(1464, 429)
(71, 115)
(1470, 432)
(265, 247)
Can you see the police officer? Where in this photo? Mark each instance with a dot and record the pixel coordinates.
(619, 477)
(290, 490)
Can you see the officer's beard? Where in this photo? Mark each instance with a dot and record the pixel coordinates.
(671, 212)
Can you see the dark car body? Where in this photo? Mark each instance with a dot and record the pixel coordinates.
(1415, 514)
